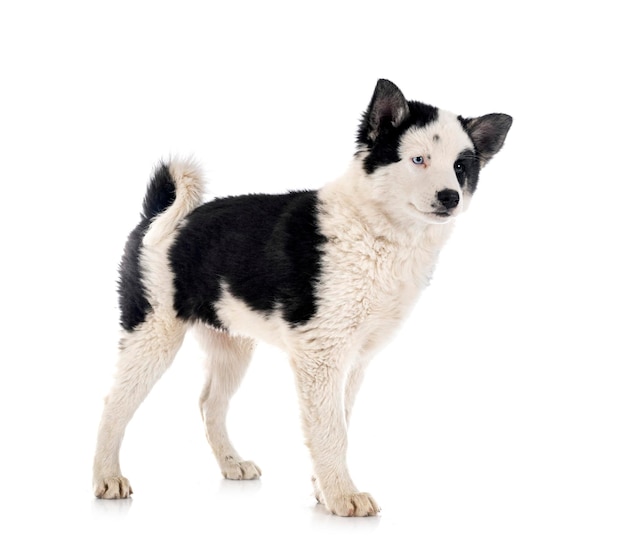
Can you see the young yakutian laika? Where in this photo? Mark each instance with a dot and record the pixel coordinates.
(327, 275)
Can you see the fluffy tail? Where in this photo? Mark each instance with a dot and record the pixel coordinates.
(175, 189)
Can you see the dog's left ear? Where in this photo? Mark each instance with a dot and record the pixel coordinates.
(488, 133)
(388, 108)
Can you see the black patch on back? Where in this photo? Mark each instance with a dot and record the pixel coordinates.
(265, 248)
(134, 305)
(384, 149)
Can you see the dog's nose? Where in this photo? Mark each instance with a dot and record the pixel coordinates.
(448, 198)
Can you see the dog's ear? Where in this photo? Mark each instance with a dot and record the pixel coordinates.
(488, 133)
(388, 108)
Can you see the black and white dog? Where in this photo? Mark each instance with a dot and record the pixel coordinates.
(326, 275)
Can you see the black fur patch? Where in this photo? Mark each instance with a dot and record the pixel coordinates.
(383, 150)
(134, 305)
(467, 168)
(161, 192)
(265, 248)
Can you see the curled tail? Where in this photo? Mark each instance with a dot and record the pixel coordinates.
(175, 189)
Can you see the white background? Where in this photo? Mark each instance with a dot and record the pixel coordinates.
(496, 420)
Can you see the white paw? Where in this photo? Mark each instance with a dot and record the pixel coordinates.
(115, 487)
(240, 470)
(352, 505)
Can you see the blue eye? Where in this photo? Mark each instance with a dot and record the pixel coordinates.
(418, 160)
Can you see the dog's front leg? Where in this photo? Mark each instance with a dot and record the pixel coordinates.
(321, 393)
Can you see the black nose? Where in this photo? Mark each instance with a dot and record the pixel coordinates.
(448, 198)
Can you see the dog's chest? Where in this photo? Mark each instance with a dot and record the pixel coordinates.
(372, 281)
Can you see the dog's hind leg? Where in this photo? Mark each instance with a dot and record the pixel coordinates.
(227, 360)
(145, 354)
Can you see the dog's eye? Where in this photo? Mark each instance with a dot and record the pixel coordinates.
(418, 160)
(460, 171)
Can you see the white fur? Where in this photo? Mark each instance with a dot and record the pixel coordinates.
(383, 243)
(375, 267)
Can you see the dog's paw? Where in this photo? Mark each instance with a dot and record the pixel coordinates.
(352, 505)
(115, 487)
(240, 470)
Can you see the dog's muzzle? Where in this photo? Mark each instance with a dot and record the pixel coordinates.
(447, 200)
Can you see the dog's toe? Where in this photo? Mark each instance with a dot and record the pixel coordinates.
(116, 487)
(353, 505)
(241, 470)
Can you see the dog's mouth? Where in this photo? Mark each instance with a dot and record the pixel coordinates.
(438, 214)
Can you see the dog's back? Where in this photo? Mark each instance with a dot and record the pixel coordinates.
(263, 249)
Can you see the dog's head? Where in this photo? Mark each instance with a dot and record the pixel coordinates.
(424, 162)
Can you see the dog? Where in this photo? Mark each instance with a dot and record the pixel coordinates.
(326, 275)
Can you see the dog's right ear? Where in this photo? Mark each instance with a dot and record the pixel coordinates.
(388, 108)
